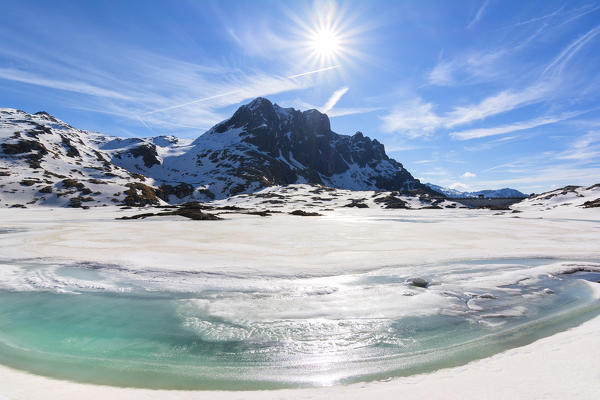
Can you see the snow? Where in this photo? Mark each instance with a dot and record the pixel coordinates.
(560, 200)
(561, 366)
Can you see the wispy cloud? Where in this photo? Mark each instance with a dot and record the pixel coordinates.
(468, 175)
(545, 177)
(469, 68)
(580, 12)
(149, 90)
(577, 163)
(554, 81)
(559, 62)
(478, 14)
(424, 161)
(540, 18)
(438, 171)
(72, 86)
(330, 105)
(413, 118)
(403, 147)
(417, 118)
(332, 101)
(502, 102)
(514, 127)
(340, 112)
(584, 148)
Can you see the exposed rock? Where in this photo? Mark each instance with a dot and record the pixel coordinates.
(29, 182)
(148, 153)
(357, 204)
(418, 282)
(184, 212)
(391, 201)
(24, 146)
(180, 191)
(591, 203)
(305, 213)
(139, 194)
(193, 214)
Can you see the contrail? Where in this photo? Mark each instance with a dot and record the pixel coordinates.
(234, 92)
(313, 72)
(193, 102)
(142, 121)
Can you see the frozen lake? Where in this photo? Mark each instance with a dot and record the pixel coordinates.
(114, 325)
(283, 301)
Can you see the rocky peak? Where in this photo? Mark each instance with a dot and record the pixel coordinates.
(283, 145)
(259, 102)
(316, 122)
(260, 115)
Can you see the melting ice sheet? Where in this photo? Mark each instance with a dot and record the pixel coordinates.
(111, 325)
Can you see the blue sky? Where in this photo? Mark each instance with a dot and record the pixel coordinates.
(466, 94)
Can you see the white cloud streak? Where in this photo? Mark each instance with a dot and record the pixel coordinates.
(558, 64)
(514, 127)
(313, 72)
(193, 102)
(417, 118)
(469, 68)
(584, 148)
(340, 112)
(156, 91)
(543, 17)
(414, 119)
(479, 14)
(332, 101)
(78, 87)
(499, 103)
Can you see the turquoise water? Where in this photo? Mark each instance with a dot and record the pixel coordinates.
(107, 324)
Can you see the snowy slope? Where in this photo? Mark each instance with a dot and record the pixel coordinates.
(44, 161)
(568, 197)
(318, 198)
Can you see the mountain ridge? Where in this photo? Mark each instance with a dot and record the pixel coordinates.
(261, 145)
(488, 193)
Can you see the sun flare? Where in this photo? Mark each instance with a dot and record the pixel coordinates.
(325, 43)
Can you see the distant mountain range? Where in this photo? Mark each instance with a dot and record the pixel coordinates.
(46, 161)
(451, 193)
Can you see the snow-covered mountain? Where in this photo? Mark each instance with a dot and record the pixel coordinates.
(263, 145)
(452, 193)
(45, 161)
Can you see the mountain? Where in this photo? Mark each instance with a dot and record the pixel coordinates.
(46, 161)
(452, 193)
(263, 145)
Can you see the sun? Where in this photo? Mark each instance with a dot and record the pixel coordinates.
(325, 43)
(327, 35)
